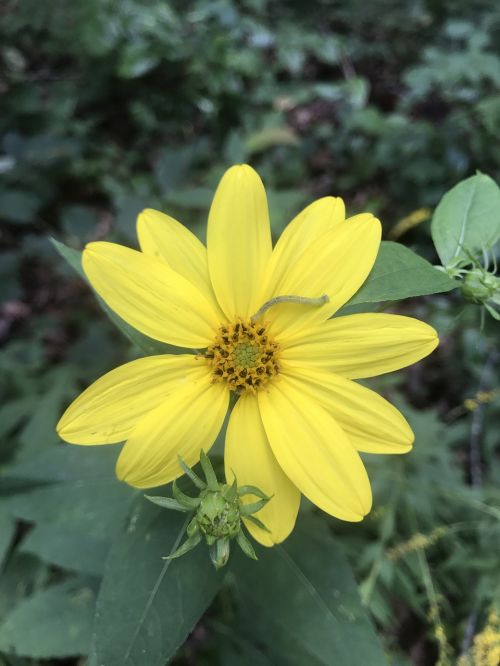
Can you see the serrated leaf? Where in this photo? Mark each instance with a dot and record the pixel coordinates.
(169, 596)
(400, 273)
(299, 603)
(468, 216)
(55, 622)
(145, 344)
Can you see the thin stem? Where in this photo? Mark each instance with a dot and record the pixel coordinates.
(368, 585)
(477, 424)
(432, 598)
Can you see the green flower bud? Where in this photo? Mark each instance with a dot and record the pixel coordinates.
(216, 516)
(217, 513)
(479, 285)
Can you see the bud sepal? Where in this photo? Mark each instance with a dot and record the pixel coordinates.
(478, 283)
(217, 513)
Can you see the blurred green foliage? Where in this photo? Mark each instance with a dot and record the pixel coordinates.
(109, 106)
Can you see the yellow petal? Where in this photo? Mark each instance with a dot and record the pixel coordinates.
(372, 424)
(239, 241)
(311, 223)
(164, 238)
(364, 345)
(314, 451)
(249, 457)
(150, 296)
(108, 410)
(336, 264)
(187, 421)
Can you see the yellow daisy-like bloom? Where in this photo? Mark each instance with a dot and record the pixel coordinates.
(299, 420)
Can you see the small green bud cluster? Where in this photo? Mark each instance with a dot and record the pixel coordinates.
(217, 513)
(477, 283)
(480, 286)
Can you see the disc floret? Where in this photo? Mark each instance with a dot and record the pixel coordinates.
(244, 356)
(217, 510)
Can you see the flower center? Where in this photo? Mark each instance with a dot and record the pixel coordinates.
(244, 356)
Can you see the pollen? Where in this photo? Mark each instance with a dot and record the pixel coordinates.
(244, 356)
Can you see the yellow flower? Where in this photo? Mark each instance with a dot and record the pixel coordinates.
(299, 420)
(486, 648)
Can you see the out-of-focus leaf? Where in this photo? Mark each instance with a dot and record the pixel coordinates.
(269, 137)
(80, 490)
(299, 603)
(67, 463)
(172, 166)
(78, 221)
(67, 548)
(169, 596)
(7, 529)
(235, 650)
(13, 412)
(136, 60)
(400, 273)
(41, 149)
(145, 344)
(191, 197)
(128, 205)
(10, 288)
(467, 218)
(56, 622)
(283, 205)
(235, 149)
(23, 575)
(40, 430)
(18, 206)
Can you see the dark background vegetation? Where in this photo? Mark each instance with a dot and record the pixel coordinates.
(110, 106)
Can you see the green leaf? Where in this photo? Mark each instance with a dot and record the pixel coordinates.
(78, 220)
(56, 622)
(67, 548)
(40, 429)
(7, 529)
(166, 503)
(13, 412)
(147, 606)
(400, 273)
(468, 216)
(72, 256)
(79, 490)
(299, 603)
(145, 344)
(190, 197)
(67, 463)
(19, 206)
(271, 136)
(23, 574)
